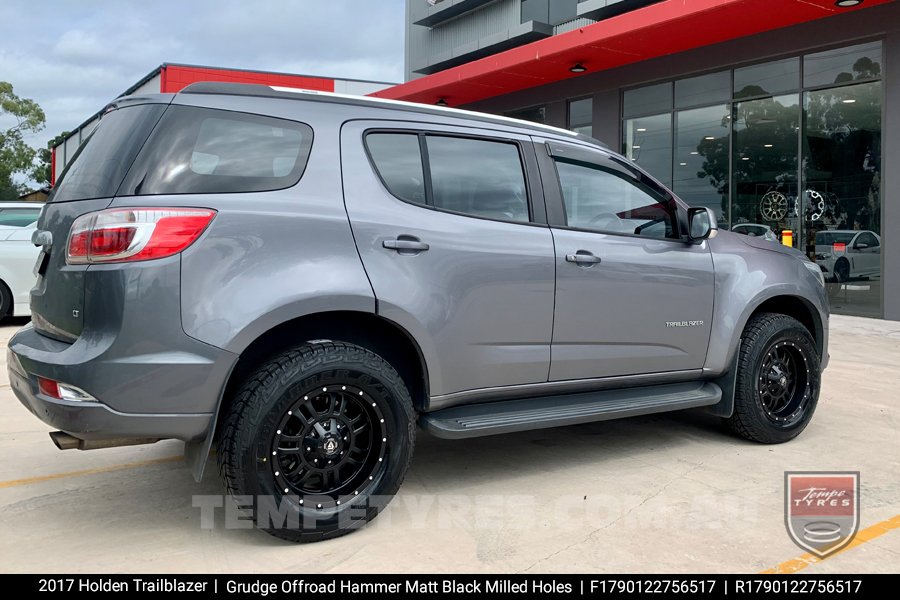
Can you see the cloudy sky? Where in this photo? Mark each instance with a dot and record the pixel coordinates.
(74, 57)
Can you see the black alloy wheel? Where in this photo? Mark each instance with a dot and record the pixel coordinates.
(784, 388)
(778, 378)
(331, 443)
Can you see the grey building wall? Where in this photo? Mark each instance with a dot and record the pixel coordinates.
(458, 37)
(879, 22)
(890, 198)
(453, 32)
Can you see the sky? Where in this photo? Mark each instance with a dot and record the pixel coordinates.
(72, 57)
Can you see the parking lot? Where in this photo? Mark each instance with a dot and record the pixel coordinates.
(660, 493)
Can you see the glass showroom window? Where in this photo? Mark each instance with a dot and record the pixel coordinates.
(581, 116)
(648, 142)
(787, 145)
(648, 136)
(764, 164)
(702, 145)
(703, 141)
(535, 114)
(842, 175)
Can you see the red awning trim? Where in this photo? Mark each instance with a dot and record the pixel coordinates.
(660, 29)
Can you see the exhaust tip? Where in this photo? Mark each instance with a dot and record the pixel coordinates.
(64, 441)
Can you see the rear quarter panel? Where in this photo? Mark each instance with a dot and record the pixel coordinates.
(269, 257)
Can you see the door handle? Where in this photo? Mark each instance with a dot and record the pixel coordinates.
(583, 258)
(406, 244)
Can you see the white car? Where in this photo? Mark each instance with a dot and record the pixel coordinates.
(756, 230)
(845, 254)
(17, 256)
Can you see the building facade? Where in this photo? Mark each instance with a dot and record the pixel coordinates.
(447, 33)
(171, 78)
(781, 115)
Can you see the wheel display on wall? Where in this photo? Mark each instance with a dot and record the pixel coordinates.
(816, 207)
(774, 206)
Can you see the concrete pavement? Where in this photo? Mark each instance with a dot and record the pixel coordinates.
(670, 493)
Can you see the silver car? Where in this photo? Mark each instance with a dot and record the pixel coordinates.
(301, 279)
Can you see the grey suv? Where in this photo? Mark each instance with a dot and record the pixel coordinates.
(301, 278)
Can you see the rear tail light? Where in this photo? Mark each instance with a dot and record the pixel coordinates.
(132, 234)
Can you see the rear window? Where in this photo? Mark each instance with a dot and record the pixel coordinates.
(205, 151)
(18, 217)
(827, 238)
(100, 163)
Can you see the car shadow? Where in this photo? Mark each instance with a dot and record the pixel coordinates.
(15, 321)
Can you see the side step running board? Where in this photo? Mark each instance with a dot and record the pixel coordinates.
(491, 418)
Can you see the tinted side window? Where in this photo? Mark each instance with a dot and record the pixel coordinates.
(100, 163)
(18, 217)
(398, 161)
(605, 199)
(478, 177)
(867, 238)
(203, 151)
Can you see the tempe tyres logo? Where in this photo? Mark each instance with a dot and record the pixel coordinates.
(821, 509)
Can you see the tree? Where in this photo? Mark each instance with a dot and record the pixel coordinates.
(42, 170)
(15, 155)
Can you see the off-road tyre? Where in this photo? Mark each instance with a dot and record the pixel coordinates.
(285, 423)
(778, 380)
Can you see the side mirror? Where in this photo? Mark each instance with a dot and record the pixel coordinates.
(860, 245)
(702, 223)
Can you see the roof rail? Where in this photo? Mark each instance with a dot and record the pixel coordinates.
(265, 91)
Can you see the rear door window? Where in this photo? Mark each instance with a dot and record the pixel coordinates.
(475, 177)
(398, 162)
(478, 177)
(203, 151)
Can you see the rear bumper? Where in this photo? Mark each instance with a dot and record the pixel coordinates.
(169, 395)
(95, 421)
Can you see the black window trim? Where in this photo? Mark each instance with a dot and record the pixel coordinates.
(527, 161)
(556, 205)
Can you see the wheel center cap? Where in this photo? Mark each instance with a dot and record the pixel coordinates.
(331, 445)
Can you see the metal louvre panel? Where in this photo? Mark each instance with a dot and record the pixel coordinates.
(572, 25)
(472, 27)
